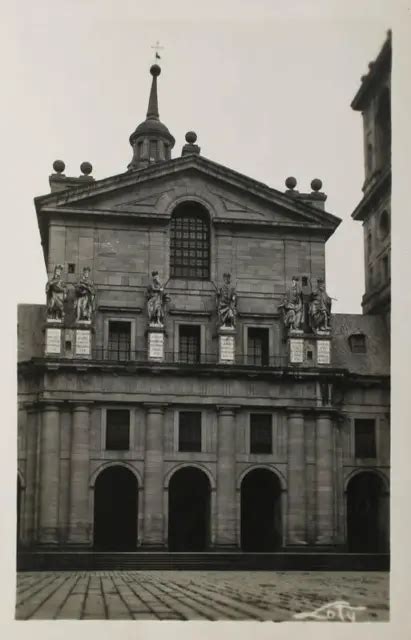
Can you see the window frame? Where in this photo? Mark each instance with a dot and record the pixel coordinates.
(269, 330)
(177, 326)
(117, 452)
(198, 412)
(199, 213)
(132, 323)
(260, 453)
(354, 438)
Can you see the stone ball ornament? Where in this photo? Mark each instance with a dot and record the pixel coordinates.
(316, 184)
(59, 166)
(291, 182)
(155, 70)
(191, 137)
(86, 168)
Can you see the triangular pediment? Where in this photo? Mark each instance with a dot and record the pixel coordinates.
(153, 192)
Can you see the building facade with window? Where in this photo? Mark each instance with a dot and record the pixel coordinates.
(122, 446)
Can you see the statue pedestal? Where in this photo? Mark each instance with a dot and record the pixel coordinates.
(226, 345)
(83, 340)
(155, 343)
(323, 347)
(53, 335)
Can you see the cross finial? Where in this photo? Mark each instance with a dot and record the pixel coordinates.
(157, 47)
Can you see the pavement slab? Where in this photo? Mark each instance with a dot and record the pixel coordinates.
(203, 595)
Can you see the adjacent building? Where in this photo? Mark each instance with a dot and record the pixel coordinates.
(185, 387)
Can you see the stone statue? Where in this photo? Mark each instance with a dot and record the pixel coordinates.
(320, 308)
(85, 292)
(292, 306)
(157, 300)
(227, 303)
(56, 292)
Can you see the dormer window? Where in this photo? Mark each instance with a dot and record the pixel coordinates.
(190, 242)
(357, 343)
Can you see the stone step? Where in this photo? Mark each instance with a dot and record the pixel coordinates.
(89, 560)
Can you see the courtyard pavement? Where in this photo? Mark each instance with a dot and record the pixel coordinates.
(202, 595)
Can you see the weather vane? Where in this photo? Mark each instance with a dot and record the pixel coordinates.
(156, 46)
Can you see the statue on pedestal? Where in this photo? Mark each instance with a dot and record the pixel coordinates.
(320, 308)
(56, 292)
(85, 297)
(157, 300)
(292, 306)
(227, 303)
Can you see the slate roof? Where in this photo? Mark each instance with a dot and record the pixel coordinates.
(376, 359)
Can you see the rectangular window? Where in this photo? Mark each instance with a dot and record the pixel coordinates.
(189, 431)
(261, 433)
(365, 441)
(119, 340)
(189, 343)
(257, 346)
(117, 429)
(189, 246)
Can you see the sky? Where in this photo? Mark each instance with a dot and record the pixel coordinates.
(268, 95)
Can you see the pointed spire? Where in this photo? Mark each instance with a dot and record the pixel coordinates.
(151, 141)
(152, 111)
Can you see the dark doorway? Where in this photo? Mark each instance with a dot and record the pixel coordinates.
(261, 511)
(188, 510)
(19, 490)
(115, 509)
(367, 514)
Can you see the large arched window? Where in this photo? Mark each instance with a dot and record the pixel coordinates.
(190, 242)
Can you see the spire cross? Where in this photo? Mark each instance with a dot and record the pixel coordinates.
(156, 46)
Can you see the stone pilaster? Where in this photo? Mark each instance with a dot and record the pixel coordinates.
(226, 530)
(324, 479)
(49, 474)
(296, 511)
(79, 524)
(153, 523)
(31, 461)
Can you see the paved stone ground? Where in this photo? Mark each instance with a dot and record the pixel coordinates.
(197, 595)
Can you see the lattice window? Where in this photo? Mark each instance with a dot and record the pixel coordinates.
(189, 431)
(189, 343)
(190, 245)
(261, 433)
(118, 429)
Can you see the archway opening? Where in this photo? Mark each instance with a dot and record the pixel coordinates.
(261, 528)
(19, 492)
(189, 510)
(367, 514)
(115, 509)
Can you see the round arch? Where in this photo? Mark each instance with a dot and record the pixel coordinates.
(367, 512)
(372, 470)
(194, 465)
(273, 469)
(115, 463)
(189, 512)
(192, 198)
(261, 492)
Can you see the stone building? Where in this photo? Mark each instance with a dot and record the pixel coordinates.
(185, 387)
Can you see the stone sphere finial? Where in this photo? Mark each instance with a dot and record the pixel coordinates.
(316, 184)
(291, 182)
(86, 168)
(191, 137)
(59, 166)
(155, 70)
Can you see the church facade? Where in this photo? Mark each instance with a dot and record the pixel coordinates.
(186, 386)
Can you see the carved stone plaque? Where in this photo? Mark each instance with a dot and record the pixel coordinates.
(53, 340)
(227, 350)
(323, 352)
(83, 342)
(296, 350)
(156, 345)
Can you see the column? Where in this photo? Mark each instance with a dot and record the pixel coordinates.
(49, 474)
(226, 530)
(324, 479)
(153, 526)
(79, 519)
(31, 454)
(296, 520)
